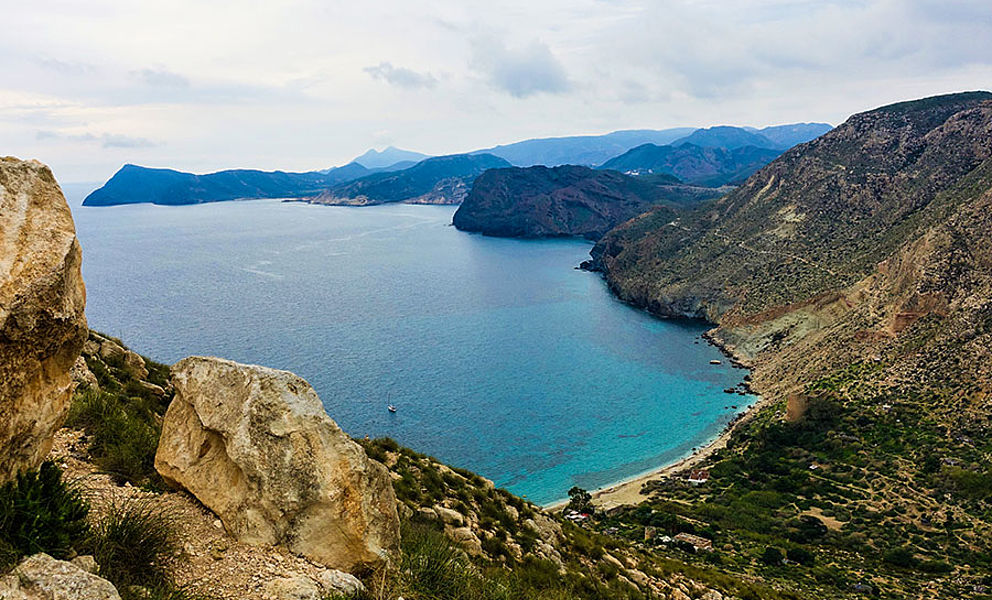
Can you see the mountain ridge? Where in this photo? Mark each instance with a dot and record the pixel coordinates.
(693, 164)
(435, 180)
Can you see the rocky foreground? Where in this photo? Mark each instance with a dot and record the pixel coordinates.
(42, 325)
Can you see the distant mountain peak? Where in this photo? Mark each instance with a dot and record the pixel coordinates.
(390, 155)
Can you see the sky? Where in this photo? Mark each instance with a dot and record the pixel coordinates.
(299, 85)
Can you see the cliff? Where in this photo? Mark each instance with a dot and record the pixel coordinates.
(567, 201)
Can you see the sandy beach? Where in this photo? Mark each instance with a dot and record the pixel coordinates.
(628, 491)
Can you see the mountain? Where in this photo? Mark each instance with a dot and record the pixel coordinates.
(389, 157)
(780, 137)
(693, 164)
(854, 275)
(566, 201)
(438, 180)
(725, 136)
(134, 184)
(787, 136)
(582, 149)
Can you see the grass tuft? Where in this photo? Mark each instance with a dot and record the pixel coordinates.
(133, 543)
(124, 434)
(39, 512)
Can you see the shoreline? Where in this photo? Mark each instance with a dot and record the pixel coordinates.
(627, 492)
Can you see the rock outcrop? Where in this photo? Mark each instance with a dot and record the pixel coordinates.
(41, 577)
(42, 325)
(256, 447)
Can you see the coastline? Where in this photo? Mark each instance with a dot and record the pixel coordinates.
(627, 492)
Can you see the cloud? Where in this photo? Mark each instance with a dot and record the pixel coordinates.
(159, 77)
(520, 72)
(66, 67)
(401, 76)
(106, 140)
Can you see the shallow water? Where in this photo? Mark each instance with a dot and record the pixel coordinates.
(499, 355)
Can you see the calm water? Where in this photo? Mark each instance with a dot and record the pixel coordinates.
(500, 357)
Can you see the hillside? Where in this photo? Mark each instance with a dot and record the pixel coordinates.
(566, 201)
(462, 538)
(438, 180)
(853, 274)
(694, 164)
(134, 184)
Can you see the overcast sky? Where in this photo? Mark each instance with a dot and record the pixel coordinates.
(298, 85)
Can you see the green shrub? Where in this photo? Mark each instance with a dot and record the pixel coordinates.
(772, 556)
(133, 543)
(801, 556)
(434, 568)
(900, 557)
(39, 512)
(124, 434)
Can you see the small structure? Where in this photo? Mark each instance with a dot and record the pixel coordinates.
(698, 476)
(697, 542)
(575, 516)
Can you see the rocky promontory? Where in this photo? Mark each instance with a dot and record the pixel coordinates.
(567, 201)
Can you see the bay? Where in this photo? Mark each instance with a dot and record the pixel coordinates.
(499, 356)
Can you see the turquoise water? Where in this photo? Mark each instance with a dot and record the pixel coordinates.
(500, 356)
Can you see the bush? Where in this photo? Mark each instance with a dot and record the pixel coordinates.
(772, 556)
(801, 556)
(39, 512)
(900, 557)
(133, 543)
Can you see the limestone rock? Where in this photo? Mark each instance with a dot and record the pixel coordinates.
(294, 587)
(338, 582)
(255, 446)
(41, 577)
(81, 375)
(467, 539)
(427, 513)
(450, 516)
(42, 325)
(545, 527)
(129, 360)
(86, 563)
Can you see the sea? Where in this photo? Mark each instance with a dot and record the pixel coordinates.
(498, 354)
